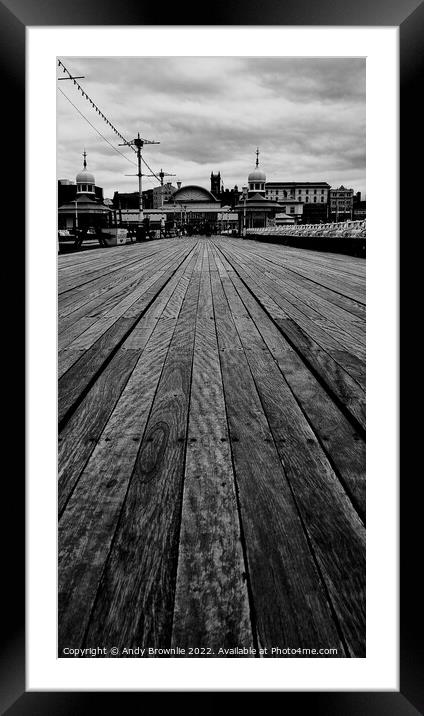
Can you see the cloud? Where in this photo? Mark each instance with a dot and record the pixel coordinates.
(306, 115)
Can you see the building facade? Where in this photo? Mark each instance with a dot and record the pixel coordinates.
(124, 201)
(195, 207)
(341, 204)
(162, 194)
(312, 197)
(152, 198)
(227, 197)
(359, 212)
(230, 197)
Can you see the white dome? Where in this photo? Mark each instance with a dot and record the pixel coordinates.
(85, 177)
(256, 176)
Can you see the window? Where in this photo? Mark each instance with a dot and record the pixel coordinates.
(322, 191)
(307, 199)
(315, 191)
(299, 191)
(307, 191)
(292, 210)
(322, 198)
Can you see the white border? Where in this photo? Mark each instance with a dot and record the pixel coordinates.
(379, 671)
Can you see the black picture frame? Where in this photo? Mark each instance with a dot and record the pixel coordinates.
(15, 16)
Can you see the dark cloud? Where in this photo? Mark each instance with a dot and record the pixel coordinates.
(306, 115)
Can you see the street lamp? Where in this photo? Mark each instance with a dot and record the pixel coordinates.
(244, 190)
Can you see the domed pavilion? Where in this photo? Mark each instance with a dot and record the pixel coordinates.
(86, 210)
(254, 210)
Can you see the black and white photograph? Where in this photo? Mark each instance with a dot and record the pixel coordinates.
(211, 226)
(208, 222)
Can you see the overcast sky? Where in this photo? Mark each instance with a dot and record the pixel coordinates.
(307, 116)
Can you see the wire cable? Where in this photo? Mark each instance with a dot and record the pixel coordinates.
(149, 168)
(96, 108)
(93, 104)
(96, 130)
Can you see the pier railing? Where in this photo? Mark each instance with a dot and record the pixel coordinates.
(342, 229)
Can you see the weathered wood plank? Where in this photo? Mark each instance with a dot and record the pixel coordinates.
(337, 535)
(211, 603)
(344, 447)
(78, 377)
(320, 268)
(78, 438)
(101, 302)
(343, 350)
(342, 385)
(88, 524)
(291, 605)
(135, 600)
(212, 478)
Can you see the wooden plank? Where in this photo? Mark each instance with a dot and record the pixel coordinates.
(347, 304)
(88, 524)
(102, 301)
(79, 437)
(211, 478)
(76, 380)
(337, 536)
(324, 304)
(352, 307)
(100, 309)
(77, 298)
(338, 323)
(290, 602)
(135, 600)
(309, 264)
(211, 603)
(76, 277)
(74, 331)
(344, 350)
(334, 376)
(344, 447)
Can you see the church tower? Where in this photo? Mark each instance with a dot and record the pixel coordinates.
(216, 184)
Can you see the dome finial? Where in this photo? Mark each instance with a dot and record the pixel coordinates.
(257, 178)
(84, 179)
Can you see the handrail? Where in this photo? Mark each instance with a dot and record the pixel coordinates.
(355, 229)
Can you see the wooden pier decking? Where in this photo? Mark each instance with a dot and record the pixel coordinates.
(212, 447)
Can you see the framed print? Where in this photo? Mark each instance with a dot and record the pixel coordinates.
(193, 342)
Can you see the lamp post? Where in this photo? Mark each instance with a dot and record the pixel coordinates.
(244, 190)
(139, 142)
